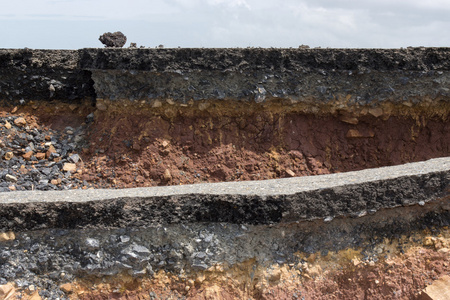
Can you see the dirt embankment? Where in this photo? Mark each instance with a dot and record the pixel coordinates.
(216, 141)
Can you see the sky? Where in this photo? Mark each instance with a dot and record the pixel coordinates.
(75, 24)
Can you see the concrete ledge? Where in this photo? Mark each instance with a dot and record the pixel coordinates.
(255, 202)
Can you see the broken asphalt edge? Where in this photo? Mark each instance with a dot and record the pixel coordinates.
(353, 194)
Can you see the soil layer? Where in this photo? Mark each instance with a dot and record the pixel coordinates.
(136, 146)
(400, 269)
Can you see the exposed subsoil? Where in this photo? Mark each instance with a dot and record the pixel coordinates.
(399, 269)
(210, 142)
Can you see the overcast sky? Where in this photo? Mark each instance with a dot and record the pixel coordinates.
(74, 24)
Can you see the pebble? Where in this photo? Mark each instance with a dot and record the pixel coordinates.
(7, 236)
(28, 155)
(20, 122)
(74, 158)
(10, 178)
(290, 173)
(9, 155)
(66, 287)
(69, 167)
(167, 176)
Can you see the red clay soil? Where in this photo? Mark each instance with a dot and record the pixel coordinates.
(171, 145)
(139, 148)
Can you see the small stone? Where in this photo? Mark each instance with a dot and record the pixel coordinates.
(353, 133)
(92, 243)
(66, 287)
(32, 288)
(290, 173)
(156, 104)
(10, 178)
(7, 236)
(200, 278)
(9, 155)
(12, 188)
(54, 181)
(355, 262)
(73, 107)
(164, 144)
(7, 125)
(376, 112)
(50, 150)
(27, 156)
(14, 109)
(349, 120)
(69, 167)
(6, 290)
(74, 158)
(20, 122)
(167, 176)
(40, 156)
(428, 241)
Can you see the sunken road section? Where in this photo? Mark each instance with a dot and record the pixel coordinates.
(253, 202)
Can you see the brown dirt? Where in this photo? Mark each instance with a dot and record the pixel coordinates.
(229, 143)
(212, 142)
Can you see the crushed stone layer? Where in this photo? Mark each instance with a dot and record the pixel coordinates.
(347, 258)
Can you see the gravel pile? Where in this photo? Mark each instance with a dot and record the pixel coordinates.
(35, 158)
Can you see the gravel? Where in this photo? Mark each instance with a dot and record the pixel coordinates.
(33, 158)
